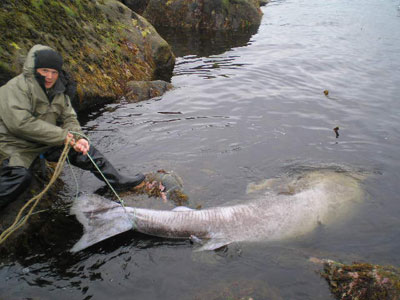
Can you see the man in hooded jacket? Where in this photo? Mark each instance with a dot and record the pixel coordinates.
(36, 118)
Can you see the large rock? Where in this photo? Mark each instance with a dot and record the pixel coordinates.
(105, 44)
(204, 14)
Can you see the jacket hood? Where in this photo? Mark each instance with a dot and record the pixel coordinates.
(29, 65)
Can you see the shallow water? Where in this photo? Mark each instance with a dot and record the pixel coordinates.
(245, 109)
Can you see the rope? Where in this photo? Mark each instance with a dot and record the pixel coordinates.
(108, 183)
(19, 221)
(115, 193)
(75, 179)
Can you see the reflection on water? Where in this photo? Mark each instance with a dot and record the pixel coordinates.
(205, 43)
(247, 107)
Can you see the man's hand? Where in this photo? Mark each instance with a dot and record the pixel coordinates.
(82, 145)
(70, 136)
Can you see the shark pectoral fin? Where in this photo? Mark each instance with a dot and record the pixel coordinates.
(195, 240)
(213, 244)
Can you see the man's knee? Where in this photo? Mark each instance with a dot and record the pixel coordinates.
(13, 182)
(53, 154)
(83, 161)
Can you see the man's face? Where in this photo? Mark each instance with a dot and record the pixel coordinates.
(50, 76)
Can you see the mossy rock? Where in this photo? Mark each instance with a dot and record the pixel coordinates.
(204, 14)
(362, 281)
(104, 44)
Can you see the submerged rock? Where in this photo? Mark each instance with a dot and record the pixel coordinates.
(104, 44)
(204, 14)
(362, 281)
(241, 289)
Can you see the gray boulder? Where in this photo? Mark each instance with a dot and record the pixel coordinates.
(142, 90)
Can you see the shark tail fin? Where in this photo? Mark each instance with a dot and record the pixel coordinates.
(101, 219)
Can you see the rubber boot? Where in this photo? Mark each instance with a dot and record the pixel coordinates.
(118, 181)
(13, 182)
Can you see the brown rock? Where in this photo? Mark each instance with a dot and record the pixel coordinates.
(204, 14)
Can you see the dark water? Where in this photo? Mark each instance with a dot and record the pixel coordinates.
(248, 107)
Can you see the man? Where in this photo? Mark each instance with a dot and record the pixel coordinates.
(36, 119)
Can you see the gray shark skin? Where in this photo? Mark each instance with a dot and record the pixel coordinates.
(317, 197)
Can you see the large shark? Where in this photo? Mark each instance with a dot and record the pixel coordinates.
(288, 209)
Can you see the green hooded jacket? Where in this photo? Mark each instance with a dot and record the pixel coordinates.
(29, 123)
